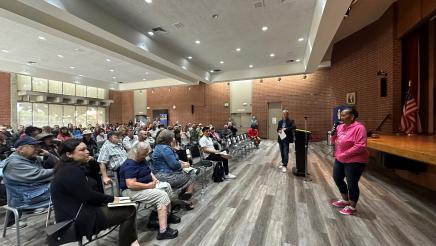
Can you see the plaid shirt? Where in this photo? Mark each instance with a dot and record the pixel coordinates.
(112, 154)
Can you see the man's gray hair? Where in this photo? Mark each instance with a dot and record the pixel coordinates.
(165, 137)
(285, 111)
(138, 146)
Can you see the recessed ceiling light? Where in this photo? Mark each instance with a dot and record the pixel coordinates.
(41, 38)
(272, 55)
(190, 57)
(300, 39)
(111, 70)
(144, 79)
(77, 49)
(60, 56)
(112, 88)
(72, 67)
(238, 49)
(211, 71)
(5, 51)
(148, 1)
(197, 41)
(108, 60)
(298, 60)
(222, 62)
(150, 33)
(250, 66)
(114, 77)
(80, 75)
(184, 67)
(264, 28)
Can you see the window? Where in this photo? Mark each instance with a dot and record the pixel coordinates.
(69, 115)
(81, 90)
(92, 115)
(101, 115)
(40, 85)
(101, 93)
(24, 83)
(55, 87)
(69, 89)
(24, 111)
(91, 92)
(55, 114)
(81, 115)
(40, 114)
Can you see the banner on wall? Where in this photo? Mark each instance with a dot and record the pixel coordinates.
(163, 119)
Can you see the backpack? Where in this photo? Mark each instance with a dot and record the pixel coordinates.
(218, 173)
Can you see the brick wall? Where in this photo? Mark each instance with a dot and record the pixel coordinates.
(208, 101)
(5, 98)
(121, 110)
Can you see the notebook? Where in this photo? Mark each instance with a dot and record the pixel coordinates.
(124, 201)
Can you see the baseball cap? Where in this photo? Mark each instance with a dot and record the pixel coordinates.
(26, 141)
(86, 132)
(43, 135)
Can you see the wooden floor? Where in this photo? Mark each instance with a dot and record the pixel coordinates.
(264, 206)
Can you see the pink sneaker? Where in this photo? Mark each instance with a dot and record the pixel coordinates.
(348, 210)
(340, 203)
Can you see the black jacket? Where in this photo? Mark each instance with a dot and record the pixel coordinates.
(70, 188)
(290, 127)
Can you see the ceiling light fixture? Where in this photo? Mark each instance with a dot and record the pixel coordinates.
(108, 60)
(250, 66)
(5, 51)
(238, 49)
(272, 55)
(144, 79)
(112, 88)
(300, 39)
(211, 71)
(183, 67)
(221, 62)
(114, 77)
(151, 33)
(111, 70)
(190, 57)
(72, 67)
(60, 56)
(80, 75)
(264, 28)
(41, 38)
(197, 41)
(149, 1)
(298, 60)
(215, 16)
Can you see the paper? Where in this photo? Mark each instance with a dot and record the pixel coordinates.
(282, 135)
(274, 120)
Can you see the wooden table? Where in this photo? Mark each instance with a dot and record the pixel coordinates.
(419, 148)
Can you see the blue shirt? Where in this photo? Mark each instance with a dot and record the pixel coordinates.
(165, 159)
(132, 169)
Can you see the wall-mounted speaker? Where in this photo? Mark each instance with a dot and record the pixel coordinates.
(383, 87)
(192, 108)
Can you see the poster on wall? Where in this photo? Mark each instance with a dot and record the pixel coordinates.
(163, 119)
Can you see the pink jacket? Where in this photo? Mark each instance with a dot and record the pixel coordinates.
(351, 143)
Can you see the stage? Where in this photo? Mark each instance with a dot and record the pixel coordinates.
(419, 148)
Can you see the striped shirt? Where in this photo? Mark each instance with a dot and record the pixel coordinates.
(112, 154)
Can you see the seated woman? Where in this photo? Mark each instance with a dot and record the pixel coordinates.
(71, 189)
(138, 182)
(253, 134)
(167, 167)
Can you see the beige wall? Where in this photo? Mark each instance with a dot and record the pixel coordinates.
(140, 102)
(240, 96)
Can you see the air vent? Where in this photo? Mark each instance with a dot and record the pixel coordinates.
(259, 4)
(31, 62)
(178, 25)
(120, 82)
(290, 61)
(159, 30)
(217, 70)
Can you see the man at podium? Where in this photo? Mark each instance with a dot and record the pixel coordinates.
(285, 131)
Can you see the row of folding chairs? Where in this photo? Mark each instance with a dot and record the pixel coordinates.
(239, 146)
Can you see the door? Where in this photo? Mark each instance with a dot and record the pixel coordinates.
(242, 122)
(274, 115)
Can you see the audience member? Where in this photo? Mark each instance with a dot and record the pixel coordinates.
(253, 134)
(232, 129)
(130, 140)
(64, 134)
(112, 154)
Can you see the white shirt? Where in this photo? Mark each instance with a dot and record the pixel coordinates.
(128, 142)
(206, 142)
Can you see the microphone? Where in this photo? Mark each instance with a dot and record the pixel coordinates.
(335, 126)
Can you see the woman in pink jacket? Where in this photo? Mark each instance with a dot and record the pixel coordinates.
(351, 158)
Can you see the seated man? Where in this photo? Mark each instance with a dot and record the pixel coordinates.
(25, 178)
(112, 154)
(210, 153)
(139, 183)
(130, 139)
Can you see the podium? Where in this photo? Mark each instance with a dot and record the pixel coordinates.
(301, 144)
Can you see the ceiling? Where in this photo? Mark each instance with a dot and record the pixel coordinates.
(87, 32)
(238, 25)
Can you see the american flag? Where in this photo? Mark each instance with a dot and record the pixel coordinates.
(410, 122)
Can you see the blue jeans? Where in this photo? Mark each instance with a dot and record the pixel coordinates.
(284, 151)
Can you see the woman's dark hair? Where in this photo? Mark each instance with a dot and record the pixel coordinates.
(64, 128)
(352, 111)
(68, 146)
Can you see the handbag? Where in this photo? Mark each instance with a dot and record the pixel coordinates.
(63, 232)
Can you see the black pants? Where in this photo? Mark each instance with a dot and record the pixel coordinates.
(215, 157)
(126, 218)
(352, 172)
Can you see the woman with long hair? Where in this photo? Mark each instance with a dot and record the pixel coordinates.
(71, 190)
